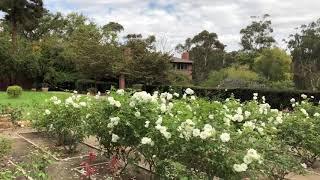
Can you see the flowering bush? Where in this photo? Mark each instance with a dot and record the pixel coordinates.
(225, 139)
(301, 130)
(64, 119)
(180, 135)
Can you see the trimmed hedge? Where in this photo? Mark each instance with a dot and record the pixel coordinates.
(14, 91)
(83, 85)
(276, 98)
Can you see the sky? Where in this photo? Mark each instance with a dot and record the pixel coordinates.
(172, 21)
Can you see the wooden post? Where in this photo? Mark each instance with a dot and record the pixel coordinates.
(122, 82)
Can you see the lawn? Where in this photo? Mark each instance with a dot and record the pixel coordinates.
(29, 100)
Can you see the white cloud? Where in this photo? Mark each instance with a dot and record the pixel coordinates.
(177, 20)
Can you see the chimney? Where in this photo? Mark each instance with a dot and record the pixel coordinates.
(185, 56)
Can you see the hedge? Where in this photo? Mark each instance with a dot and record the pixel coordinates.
(279, 99)
(82, 85)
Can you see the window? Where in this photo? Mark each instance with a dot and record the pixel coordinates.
(182, 66)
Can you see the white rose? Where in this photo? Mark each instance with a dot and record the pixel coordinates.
(47, 111)
(137, 114)
(196, 132)
(189, 91)
(225, 137)
(146, 140)
(240, 167)
(114, 138)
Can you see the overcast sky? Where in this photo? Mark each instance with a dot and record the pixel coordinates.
(176, 20)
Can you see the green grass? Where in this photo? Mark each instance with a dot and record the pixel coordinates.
(29, 100)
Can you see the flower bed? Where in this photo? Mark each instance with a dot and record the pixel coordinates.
(180, 135)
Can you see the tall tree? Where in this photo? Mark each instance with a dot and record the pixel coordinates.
(257, 35)
(305, 51)
(142, 64)
(22, 14)
(206, 51)
(208, 42)
(111, 31)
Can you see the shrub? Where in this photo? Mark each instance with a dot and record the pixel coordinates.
(192, 136)
(179, 78)
(5, 146)
(301, 130)
(92, 91)
(181, 135)
(279, 99)
(238, 77)
(14, 91)
(82, 85)
(64, 119)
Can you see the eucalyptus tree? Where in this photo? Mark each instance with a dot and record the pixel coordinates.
(305, 52)
(257, 35)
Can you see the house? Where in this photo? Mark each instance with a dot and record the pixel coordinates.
(183, 64)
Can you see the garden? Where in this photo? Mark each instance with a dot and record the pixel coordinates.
(128, 134)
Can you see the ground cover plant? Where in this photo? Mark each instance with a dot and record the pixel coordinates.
(180, 135)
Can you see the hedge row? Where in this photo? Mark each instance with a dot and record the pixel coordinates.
(82, 85)
(279, 99)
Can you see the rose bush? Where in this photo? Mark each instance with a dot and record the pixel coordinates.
(180, 135)
(64, 119)
(225, 139)
(301, 130)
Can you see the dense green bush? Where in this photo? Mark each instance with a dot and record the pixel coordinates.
(192, 137)
(231, 77)
(14, 91)
(82, 85)
(301, 130)
(179, 78)
(181, 135)
(276, 98)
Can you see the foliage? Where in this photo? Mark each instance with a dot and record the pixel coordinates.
(206, 51)
(300, 130)
(185, 136)
(63, 119)
(23, 15)
(6, 174)
(36, 165)
(257, 35)
(277, 98)
(215, 78)
(219, 78)
(179, 79)
(5, 146)
(14, 91)
(15, 112)
(274, 64)
(142, 124)
(83, 85)
(245, 58)
(304, 47)
(284, 85)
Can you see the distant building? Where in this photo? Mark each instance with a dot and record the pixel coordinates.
(183, 64)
